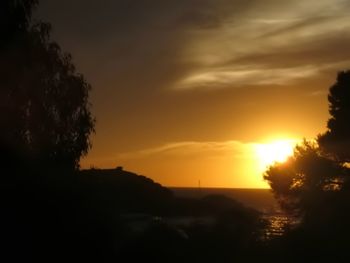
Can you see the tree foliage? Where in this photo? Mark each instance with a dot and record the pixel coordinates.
(15, 17)
(336, 140)
(300, 181)
(45, 112)
(318, 170)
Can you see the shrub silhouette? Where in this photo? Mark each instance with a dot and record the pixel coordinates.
(45, 112)
(336, 140)
(313, 184)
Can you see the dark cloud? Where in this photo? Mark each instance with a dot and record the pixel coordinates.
(119, 39)
(325, 50)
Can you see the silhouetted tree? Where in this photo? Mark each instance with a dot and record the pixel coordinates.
(15, 18)
(45, 112)
(317, 172)
(300, 182)
(336, 140)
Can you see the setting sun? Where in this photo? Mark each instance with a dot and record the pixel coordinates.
(275, 151)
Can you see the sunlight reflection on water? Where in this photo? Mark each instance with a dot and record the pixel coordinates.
(278, 224)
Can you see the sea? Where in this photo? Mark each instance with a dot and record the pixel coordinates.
(259, 199)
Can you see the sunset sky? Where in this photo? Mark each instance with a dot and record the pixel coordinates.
(187, 90)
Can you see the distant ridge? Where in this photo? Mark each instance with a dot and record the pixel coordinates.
(259, 199)
(128, 191)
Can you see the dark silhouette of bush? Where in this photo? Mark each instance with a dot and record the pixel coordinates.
(336, 140)
(314, 185)
(160, 242)
(44, 110)
(15, 17)
(299, 183)
(45, 127)
(317, 168)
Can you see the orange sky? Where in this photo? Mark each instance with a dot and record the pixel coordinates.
(182, 90)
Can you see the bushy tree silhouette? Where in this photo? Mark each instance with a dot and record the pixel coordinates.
(313, 185)
(45, 113)
(336, 140)
(15, 17)
(300, 182)
(318, 169)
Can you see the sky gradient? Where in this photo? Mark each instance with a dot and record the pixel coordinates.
(183, 90)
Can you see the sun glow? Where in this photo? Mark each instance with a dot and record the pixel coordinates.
(274, 151)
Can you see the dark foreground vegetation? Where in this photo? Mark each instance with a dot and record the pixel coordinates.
(53, 212)
(118, 216)
(112, 215)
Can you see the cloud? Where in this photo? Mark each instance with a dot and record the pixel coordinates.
(200, 43)
(276, 46)
(317, 93)
(210, 149)
(245, 77)
(293, 25)
(231, 148)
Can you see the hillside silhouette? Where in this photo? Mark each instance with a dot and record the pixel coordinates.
(106, 214)
(129, 192)
(165, 228)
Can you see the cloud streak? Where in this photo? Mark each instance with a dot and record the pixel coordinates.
(273, 47)
(234, 149)
(245, 77)
(189, 44)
